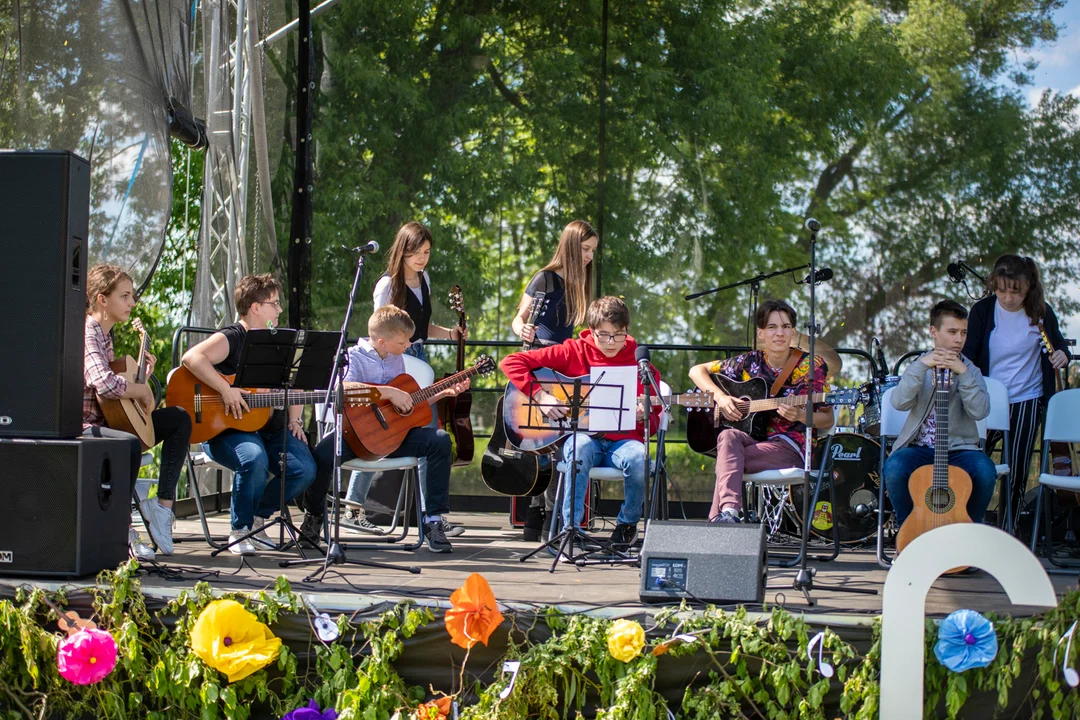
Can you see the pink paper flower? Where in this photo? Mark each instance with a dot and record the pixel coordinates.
(87, 656)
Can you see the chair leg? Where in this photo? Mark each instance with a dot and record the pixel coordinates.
(882, 558)
(1035, 525)
(193, 487)
(415, 474)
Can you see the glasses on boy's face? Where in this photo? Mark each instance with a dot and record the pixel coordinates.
(608, 338)
(276, 303)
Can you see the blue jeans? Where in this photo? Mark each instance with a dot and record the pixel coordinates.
(626, 455)
(418, 351)
(903, 462)
(257, 480)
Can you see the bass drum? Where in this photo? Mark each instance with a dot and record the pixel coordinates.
(855, 480)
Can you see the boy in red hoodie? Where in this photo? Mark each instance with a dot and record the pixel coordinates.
(605, 343)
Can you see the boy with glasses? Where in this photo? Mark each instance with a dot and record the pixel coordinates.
(605, 344)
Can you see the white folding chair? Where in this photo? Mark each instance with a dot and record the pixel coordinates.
(892, 422)
(1061, 425)
(998, 420)
(424, 375)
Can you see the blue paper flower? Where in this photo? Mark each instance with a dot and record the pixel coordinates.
(966, 640)
(311, 712)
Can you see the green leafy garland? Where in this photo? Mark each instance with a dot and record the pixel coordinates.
(746, 668)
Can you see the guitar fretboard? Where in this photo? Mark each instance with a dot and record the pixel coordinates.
(276, 398)
(941, 429)
(786, 401)
(425, 394)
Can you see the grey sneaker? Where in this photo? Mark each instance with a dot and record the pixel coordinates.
(727, 516)
(450, 529)
(261, 538)
(159, 523)
(139, 549)
(244, 547)
(356, 519)
(436, 538)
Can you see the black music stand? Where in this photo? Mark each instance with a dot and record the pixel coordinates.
(285, 359)
(563, 543)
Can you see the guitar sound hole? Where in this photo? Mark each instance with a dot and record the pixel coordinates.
(940, 500)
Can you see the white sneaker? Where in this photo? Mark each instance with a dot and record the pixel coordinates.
(159, 523)
(139, 549)
(244, 547)
(261, 538)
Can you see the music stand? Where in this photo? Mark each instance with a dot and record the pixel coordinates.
(285, 359)
(568, 426)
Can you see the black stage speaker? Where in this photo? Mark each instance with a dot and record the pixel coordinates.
(44, 223)
(67, 505)
(713, 562)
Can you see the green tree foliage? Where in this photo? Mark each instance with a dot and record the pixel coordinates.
(727, 123)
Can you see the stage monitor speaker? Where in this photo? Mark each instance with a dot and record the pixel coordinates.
(44, 223)
(67, 506)
(712, 562)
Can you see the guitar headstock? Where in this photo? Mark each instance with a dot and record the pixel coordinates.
(696, 399)
(845, 396)
(484, 365)
(457, 299)
(1047, 346)
(362, 395)
(539, 303)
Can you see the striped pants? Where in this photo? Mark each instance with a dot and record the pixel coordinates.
(1024, 421)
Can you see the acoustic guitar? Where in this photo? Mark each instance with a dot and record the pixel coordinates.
(752, 399)
(532, 431)
(377, 429)
(128, 414)
(207, 411)
(504, 468)
(940, 492)
(454, 411)
(1064, 459)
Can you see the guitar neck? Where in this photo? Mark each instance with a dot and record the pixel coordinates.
(787, 401)
(941, 429)
(275, 398)
(425, 394)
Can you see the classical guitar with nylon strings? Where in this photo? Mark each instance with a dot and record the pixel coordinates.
(940, 492)
(128, 414)
(374, 431)
(207, 411)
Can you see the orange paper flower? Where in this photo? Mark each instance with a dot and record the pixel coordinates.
(438, 709)
(474, 615)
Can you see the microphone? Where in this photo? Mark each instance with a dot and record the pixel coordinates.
(956, 272)
(371, 247)
(812, 225)
(822, 275)
(642, 357)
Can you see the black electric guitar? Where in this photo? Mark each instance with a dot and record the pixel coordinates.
(504, 468)
(752, 398)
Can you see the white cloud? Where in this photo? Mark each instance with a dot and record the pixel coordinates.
(1035, 94)
(1075, 92)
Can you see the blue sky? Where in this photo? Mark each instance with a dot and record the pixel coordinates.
(1059, 70)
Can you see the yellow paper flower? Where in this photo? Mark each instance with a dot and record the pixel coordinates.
(625, 640)
(230, 639)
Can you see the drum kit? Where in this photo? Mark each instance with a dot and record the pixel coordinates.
(855, 464)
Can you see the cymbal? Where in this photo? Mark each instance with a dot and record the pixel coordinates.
(822, 350)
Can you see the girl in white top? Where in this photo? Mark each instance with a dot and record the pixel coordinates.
(1004, 342)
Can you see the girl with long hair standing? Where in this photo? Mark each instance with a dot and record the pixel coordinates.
(1004, 343)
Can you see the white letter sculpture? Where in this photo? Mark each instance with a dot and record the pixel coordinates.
(904, 605)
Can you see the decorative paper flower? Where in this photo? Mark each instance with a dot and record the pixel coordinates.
(87, 656)
(966, 640)
(230, 639)
(438, 709)
(625, 640)
(311, 712)
(325, 628)
(474, 615)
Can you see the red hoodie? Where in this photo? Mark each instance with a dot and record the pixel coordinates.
(575, 357)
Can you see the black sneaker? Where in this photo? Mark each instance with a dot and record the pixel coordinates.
(450, 529)
(624, 535)
(727, 516)
(311, 531)
(436, 538)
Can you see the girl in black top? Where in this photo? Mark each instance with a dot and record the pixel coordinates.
(1004, 343)
(406, 285)
(567, 284)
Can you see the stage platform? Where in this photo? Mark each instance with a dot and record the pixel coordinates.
(491, 547)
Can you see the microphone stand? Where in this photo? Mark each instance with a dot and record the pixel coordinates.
(752, 301)
(335, 553)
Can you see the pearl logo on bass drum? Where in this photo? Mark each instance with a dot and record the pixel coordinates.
(7, 556)
(839, 453)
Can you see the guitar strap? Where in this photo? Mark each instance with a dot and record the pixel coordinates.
(785, 372)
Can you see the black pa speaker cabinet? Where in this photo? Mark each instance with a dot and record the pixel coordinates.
(713, 562)
(44, 223)
(67, 505)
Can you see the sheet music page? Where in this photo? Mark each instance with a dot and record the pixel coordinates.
(613, 387)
